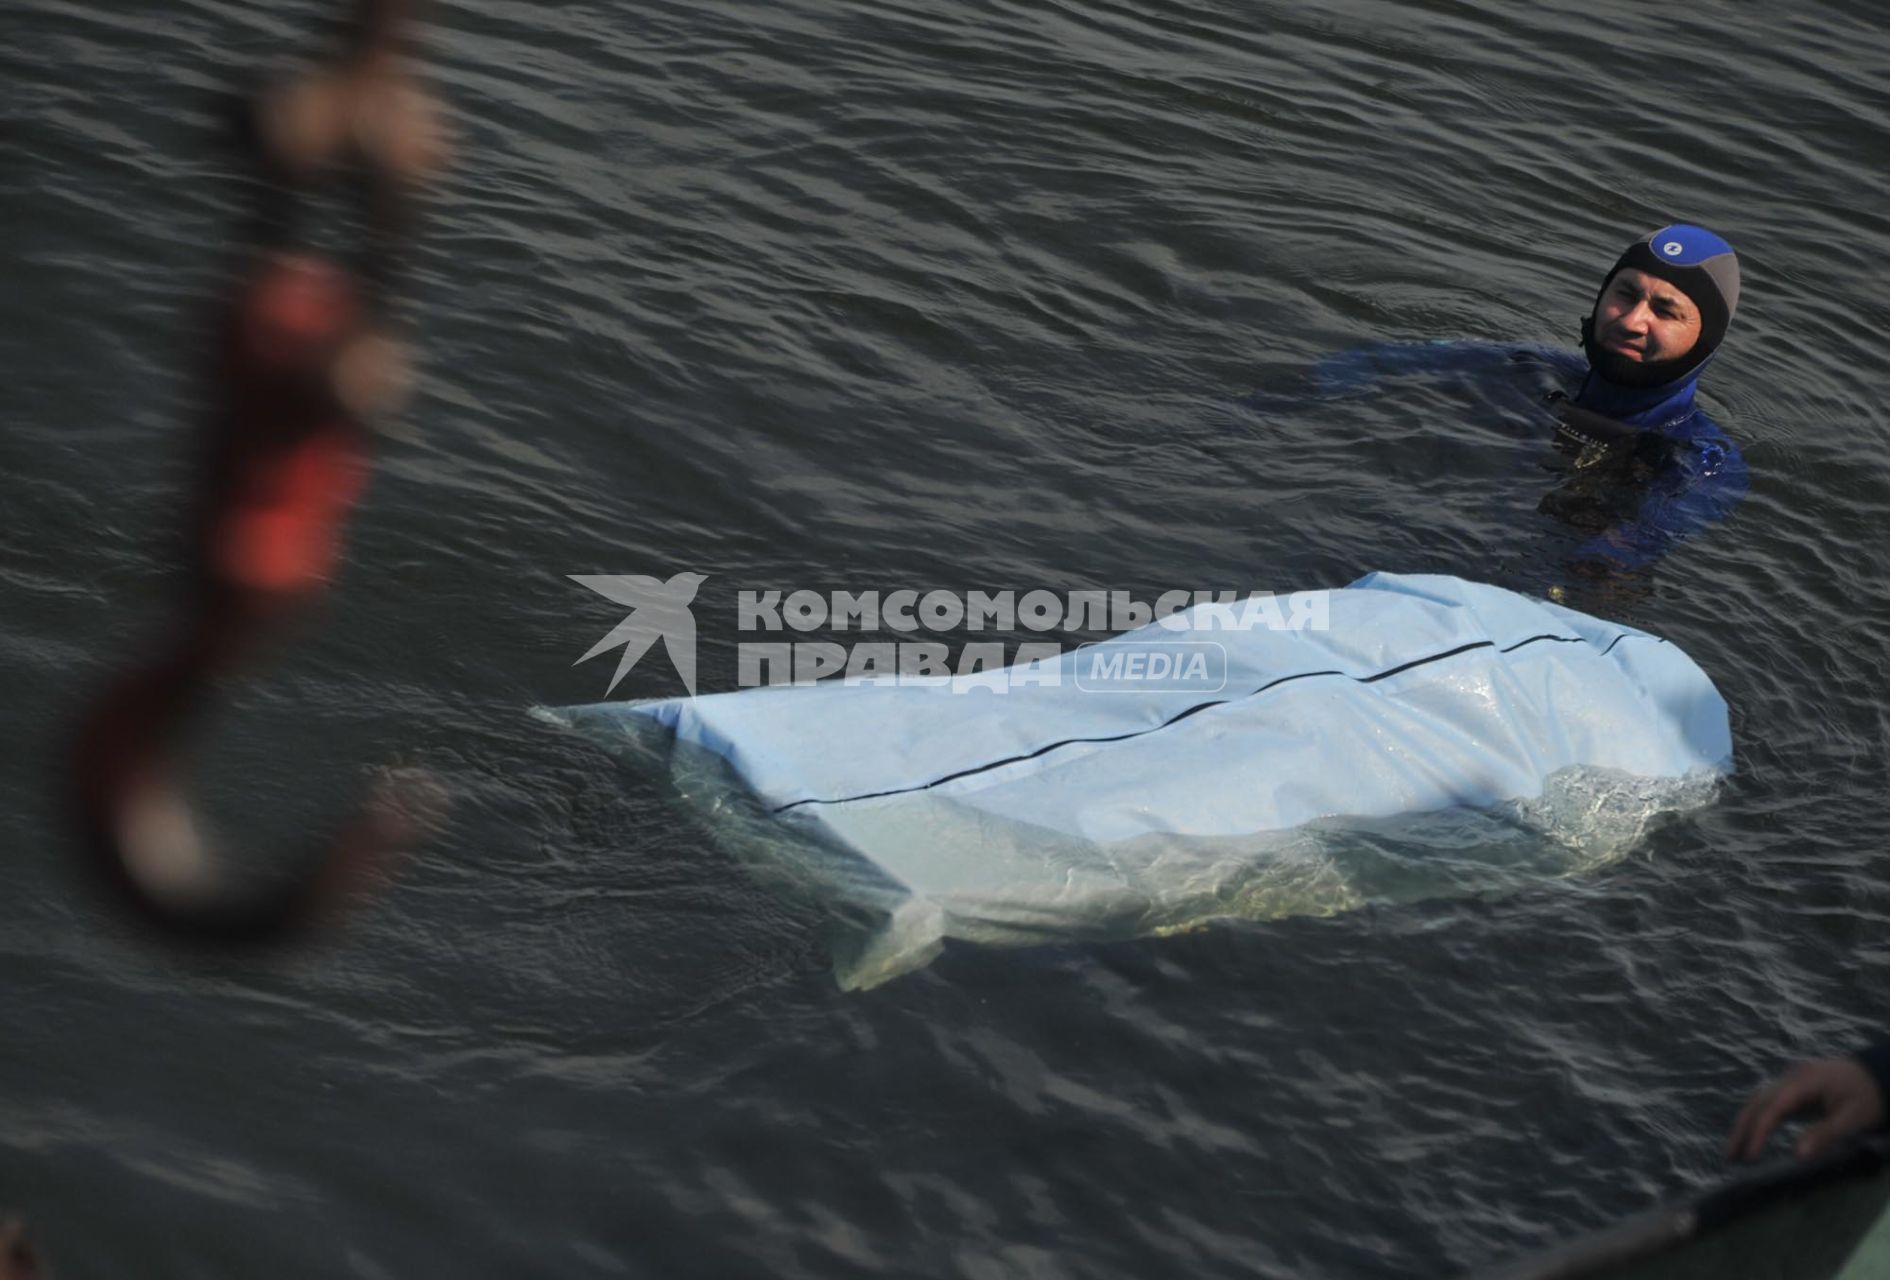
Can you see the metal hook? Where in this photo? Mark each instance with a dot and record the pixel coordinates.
(145, 838)
(305, 364)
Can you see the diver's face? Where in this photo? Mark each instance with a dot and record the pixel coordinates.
(1643, 318)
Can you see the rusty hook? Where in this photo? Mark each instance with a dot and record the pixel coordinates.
(305, 364)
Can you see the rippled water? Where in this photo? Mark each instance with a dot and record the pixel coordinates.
(848, 295)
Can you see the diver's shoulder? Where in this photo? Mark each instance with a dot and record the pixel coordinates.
(1528, 354)
(1561, 359)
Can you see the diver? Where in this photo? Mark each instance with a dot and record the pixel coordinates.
(1642, 466)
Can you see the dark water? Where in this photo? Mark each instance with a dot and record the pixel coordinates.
(848, 295)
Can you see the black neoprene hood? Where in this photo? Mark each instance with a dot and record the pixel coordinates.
(1700, 265)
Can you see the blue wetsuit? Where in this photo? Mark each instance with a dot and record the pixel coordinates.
(1701, 479)
(1876, 1060)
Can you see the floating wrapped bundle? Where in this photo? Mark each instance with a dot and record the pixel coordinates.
(1417, 736)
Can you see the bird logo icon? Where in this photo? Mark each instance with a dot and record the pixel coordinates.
(658, 611)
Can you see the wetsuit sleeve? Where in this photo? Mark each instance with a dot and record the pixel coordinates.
(1702, 484)
(1876, 1060)
(1360, 369)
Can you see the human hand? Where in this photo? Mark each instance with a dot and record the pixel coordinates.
(18, 1259)
(1840, 1087)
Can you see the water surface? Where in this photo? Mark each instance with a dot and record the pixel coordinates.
(847, 295)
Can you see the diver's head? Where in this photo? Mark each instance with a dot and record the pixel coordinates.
(1663, 307)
